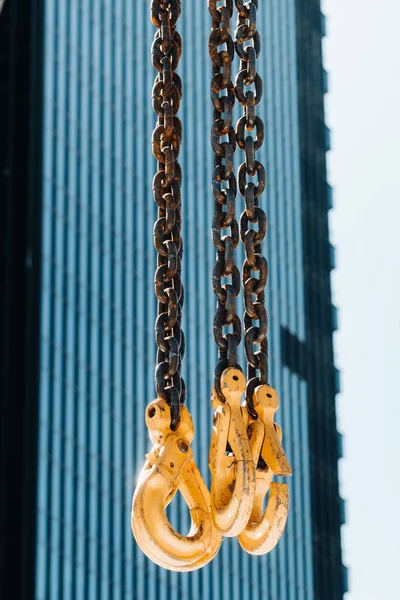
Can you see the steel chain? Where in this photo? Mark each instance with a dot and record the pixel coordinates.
(253, 221)
(223, 141)
(167, 93)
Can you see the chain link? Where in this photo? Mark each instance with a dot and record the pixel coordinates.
(167, 93)
(223, 141)
(249, 136)
(253, 221)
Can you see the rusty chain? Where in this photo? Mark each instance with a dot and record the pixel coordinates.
(253, 221)
(248, 91)
(224, 189)
(167, 93)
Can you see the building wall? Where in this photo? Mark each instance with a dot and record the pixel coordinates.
(330, 580)
(97, 340)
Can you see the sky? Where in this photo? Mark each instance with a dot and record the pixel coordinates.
(362, 56)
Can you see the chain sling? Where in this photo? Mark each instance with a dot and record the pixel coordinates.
(167, 94)
(254, 335)
(170, 465)
(245, 450)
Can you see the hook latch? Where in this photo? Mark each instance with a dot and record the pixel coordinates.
(170, 467)
(265, 528)
(230, 458)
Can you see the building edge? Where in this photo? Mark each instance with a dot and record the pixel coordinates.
(21, 61)
(320, 373)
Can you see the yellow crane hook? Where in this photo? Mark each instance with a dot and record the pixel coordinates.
(265, 528)
(170, 467)
(233, 471)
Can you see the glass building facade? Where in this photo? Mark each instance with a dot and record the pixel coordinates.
(96, 305)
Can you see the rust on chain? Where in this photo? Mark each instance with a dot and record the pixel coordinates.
(227, 325)
(167, 93)
(253, 221)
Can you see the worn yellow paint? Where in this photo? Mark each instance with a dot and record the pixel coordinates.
(265, 528)
(233, 474)
(239, 487)
(266, 403)
(170, 467)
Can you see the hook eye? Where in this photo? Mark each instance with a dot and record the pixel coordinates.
(230, 459)
(171, 467)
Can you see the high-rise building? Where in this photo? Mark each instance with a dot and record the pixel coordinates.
(78, 305)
